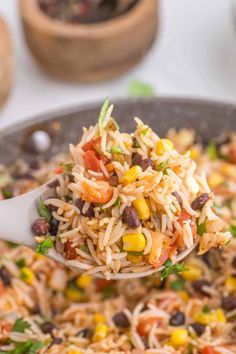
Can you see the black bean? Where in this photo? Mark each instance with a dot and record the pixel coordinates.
(5, 276)
(121, 320)
(229, 302)
(40, 227)
(146, 163)
(113, 181)
(56, 341)
(136, 159)
(177, 319)
(199, 202)
(85, 333)
(234, 262)
(199, 328)
(47, 327)
(198, 286)
(130, 217)
(212, 259)
(52, 208)
(179, 199)
(53, 226)
(53, 184)
(80, 204)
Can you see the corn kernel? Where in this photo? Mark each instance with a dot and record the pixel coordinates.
(231, 283)
(27, 275)
(100, 333)
(134, 242)
(179, 337)
(204, 318)
(163, 146)
(74, 351)
(227, 169)
(142, 209)
(194, 153)
(83, 281)
(220, 316)
(215, 179)
(134, 259)
(131, 175)
(99, 318)
(184, 295)
(192, 272)
(73, 294)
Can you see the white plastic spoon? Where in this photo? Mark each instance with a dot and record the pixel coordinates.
(18, 214)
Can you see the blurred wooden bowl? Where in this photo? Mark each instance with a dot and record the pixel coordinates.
(89, 52)
(6, 62)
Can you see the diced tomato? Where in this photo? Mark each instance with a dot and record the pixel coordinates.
(91, 161)
(70, 252)
(2, 289)
(208, 350)
(58, 170)
(94, 144)
(101, 284)
(101, 195)
(184, 216)
(145, 326)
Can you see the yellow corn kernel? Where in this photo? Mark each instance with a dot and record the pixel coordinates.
(38, 256)
(204, 318)
(179, 337)
(220, 316)
(184, 295)
(74, 351)
(192, 272)
(227, 169)
(73, 294)
(230, 283)
(134, 259)
(131, 175)
(194, 153)
(142, 209)
(83, 281)
(163, 146)
(27, 275)
(134, 242)
(99, 318)
(100, 333)
(215, 179)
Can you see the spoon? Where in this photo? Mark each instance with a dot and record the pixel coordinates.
(17, 215)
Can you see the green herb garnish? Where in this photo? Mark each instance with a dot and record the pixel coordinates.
(7, 193)
(84, 248)
(171, 268)
(141, 89)
(144, 131)
(25, 348)
(43, 210)
(163, 166)
(117, 150)
(20, 325)
(190, 348)
(212, 151)
(102, 115)
(177, 284)
(117, 202)
(201, 228)
(44, 246)
(233, 230)
(21, 262)
(206, 309)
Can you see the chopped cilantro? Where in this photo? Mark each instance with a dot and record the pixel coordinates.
(28, 347)
(21, 262)
(7, 192)
(212, 151)
(117, 150)
(117, 202)
(177, 284)
(35, 347)
(163, 166)
(201, 228)
(43, 210)
(44, 246)
(171, 268)
(102, 115)
(190, 348)
(84, 248)
(206, 309)
(233, 230)
(144, 131)
(141, 89)
(20, 325)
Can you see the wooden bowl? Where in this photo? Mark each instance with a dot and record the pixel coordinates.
(89, 52)
(6, 62)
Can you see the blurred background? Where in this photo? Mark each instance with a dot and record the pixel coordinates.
(193, 55)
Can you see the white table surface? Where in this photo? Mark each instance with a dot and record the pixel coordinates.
(194, 56)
